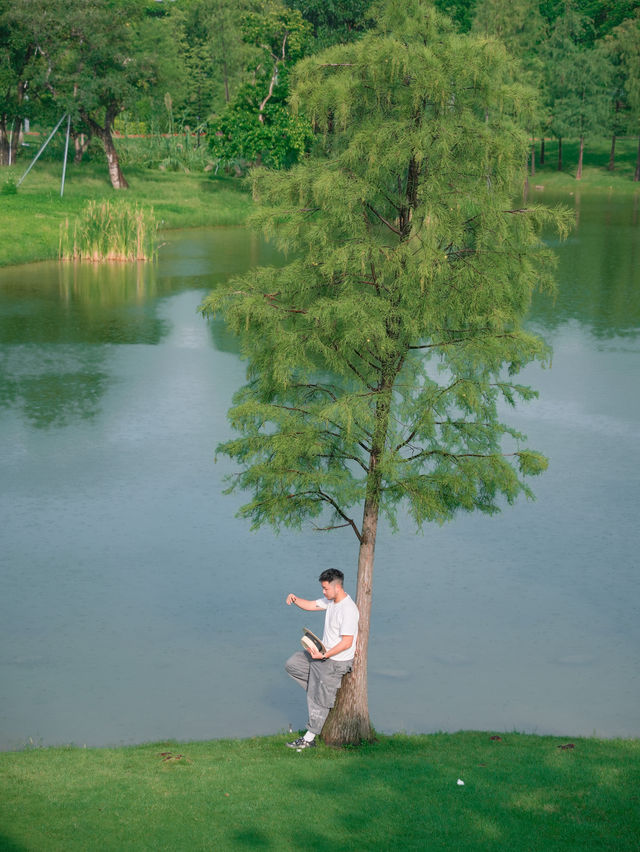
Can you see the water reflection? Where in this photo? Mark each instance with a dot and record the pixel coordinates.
(598, 270)
(57, 318)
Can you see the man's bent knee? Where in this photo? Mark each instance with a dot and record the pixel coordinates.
(297, 664)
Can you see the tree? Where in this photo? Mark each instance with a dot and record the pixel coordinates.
(94, 65)
(334, 21)
(623, 45)
(603, 15)
(578, 81)
(377, 357)
(519, 26)
(257, 125)
(219, 55)
(18, 56)
(517, 23)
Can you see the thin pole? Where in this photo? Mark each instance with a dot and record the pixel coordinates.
(66, 151)
(32, 163)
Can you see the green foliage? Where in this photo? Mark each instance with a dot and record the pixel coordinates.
(277, 141)
(603, 15)
(379, 355)
(579, 80)
(460, 11)
(110, 231)
(257, 126)
(334, 21)
(623, 47)
(517, 23)
(9, 187)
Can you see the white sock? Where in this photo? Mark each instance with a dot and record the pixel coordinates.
(309, 736)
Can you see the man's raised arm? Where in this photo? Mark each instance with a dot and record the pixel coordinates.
(311, 606)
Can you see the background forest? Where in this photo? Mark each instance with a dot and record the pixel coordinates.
(204, 84)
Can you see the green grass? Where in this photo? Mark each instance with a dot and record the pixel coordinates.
(30, 220)
(595, 177)
(520, 792)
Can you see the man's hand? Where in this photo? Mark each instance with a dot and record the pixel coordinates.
(291, 599)
(317, 655)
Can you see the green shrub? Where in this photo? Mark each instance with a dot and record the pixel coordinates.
(9, 187)
(110, 230)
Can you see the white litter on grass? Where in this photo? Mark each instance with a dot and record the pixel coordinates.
(460, 782)
(298, 749)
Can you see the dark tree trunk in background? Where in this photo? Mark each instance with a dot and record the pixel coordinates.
(580, 156)
(4, 142)
(533, 159)
(542, 151)
(612, 155)
(560, 154)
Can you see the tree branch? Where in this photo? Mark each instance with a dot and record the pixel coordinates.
(342, 514)
(383, 220)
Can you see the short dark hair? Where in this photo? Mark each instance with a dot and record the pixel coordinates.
(332, 575)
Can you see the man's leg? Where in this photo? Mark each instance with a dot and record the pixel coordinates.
(323, 682)
(317, 717)
(297, 666)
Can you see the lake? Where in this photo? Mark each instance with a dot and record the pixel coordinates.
(135, 607)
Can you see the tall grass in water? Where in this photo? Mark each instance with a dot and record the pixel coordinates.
(107, 230)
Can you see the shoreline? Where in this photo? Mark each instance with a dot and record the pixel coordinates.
(30, 220)
(283, 736)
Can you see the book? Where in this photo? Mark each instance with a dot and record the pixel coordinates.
(310, 640)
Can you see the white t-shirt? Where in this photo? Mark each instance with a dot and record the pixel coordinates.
(341, 619)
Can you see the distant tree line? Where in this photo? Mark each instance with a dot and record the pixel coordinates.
(222, 68)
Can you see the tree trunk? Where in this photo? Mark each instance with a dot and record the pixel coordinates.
(4, 142)
(118, 180)
(636, 176)
(612, 155)
(227, 97)
(560, 154)
(542, 151)
(580, 155)
(14, 141)
(533, 159)
(348, 722)
(116, 177)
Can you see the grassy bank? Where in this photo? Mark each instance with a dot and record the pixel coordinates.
(596, 178)
(30, 220)
(520, 792)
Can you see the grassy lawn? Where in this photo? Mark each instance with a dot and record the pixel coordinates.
(520, 792)
(595, 176)
(30, 220)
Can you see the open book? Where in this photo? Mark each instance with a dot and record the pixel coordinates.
(310, 640)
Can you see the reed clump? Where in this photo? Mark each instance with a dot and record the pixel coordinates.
(110, 231)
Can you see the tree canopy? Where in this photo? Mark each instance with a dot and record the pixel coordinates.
(379, 357)
(224, 66)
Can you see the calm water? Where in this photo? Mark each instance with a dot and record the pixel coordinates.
(134, 606)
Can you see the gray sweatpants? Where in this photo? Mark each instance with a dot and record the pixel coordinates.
(321, 680)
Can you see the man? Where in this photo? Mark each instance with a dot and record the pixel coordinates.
(321, 674)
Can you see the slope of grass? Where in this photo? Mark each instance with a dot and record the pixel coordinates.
(596, 176)
(520, 792)
(30, 220)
